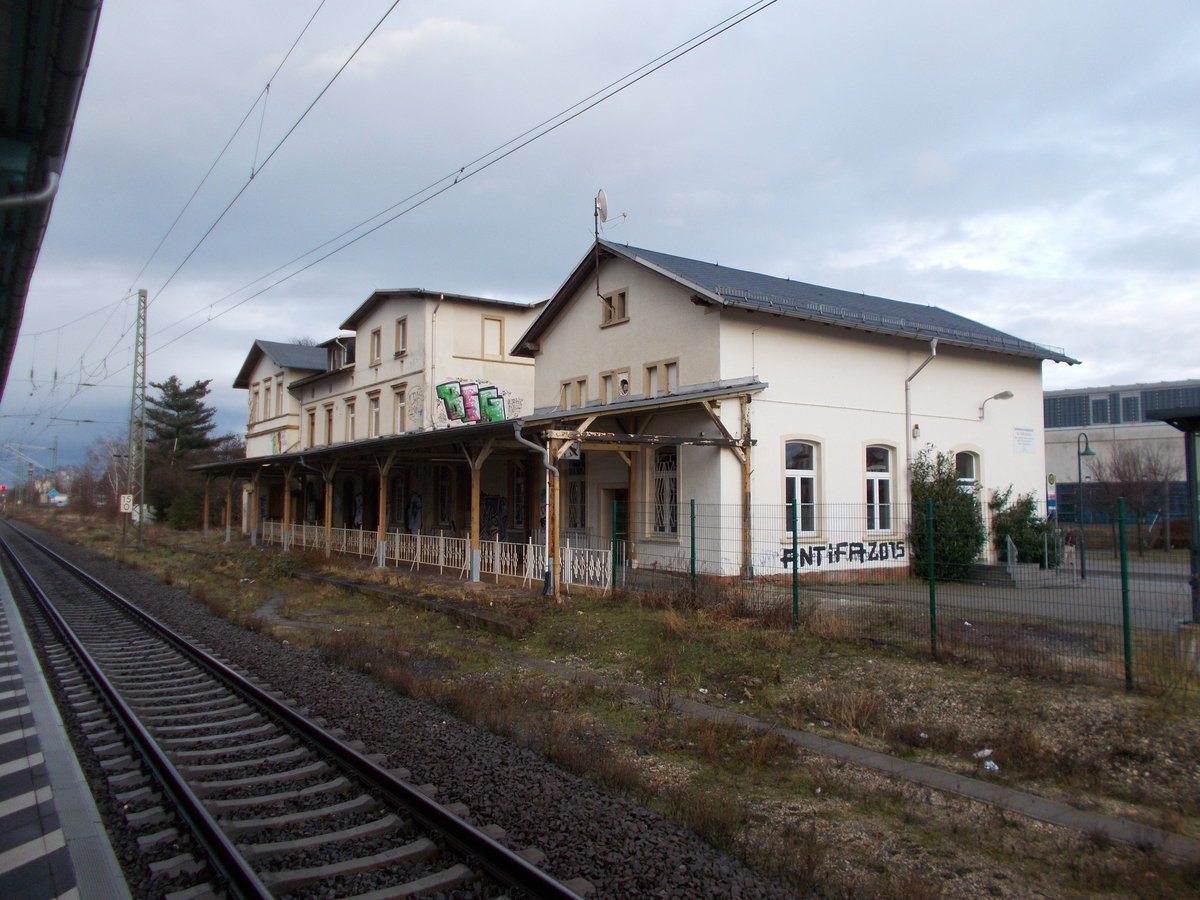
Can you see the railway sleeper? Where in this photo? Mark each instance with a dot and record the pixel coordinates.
(209, 723)
(204, 891)
(289, 880)
(166, 713)
(264, 728)
(209, 788)
(445, 880)
(231, 803)
(387, 824)
(176, 866)
(280, 741)
(273, 759)
(237, 827)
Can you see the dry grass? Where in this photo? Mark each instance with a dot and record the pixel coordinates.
(822, 825)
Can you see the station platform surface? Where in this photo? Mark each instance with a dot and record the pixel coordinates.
(52, 840)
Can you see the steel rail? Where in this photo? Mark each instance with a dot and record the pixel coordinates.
(499, 862)
(227, 862)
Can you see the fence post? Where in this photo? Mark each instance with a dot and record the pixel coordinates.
(692, 517)
(795, 562)
(933, 637)
(1125, 624)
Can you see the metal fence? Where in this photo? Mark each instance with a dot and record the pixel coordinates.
(1070, 601)
(577, 566)
(1074, 601)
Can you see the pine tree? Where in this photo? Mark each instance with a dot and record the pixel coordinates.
(178, 421)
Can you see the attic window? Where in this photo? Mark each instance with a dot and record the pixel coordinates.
(615, 308)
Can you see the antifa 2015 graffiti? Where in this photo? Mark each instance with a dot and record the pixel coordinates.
(467, 401)
(845, 552)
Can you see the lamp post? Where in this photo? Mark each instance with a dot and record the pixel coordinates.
(1082, 449)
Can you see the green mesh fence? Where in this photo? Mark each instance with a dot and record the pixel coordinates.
(1101, 603)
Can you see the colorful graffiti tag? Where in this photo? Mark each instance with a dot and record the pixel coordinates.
(468, 401)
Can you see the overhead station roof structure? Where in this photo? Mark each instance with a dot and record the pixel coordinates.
(45, 46)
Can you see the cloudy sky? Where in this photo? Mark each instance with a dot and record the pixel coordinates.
(1032, 165)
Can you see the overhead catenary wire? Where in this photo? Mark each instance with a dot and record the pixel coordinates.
(418, 198)
(260, 99)
(474, 167)
(283, 140)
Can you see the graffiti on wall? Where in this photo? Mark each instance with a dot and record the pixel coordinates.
(469, 402)
(845, 553)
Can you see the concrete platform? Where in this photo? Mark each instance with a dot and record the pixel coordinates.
(52, 841)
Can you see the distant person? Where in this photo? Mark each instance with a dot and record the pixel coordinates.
(1069, 549)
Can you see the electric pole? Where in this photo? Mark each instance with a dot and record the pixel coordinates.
(135, 463)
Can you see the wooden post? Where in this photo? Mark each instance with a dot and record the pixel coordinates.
(747, 565)
(552, 520)
(385, 468)
(285, 536)
(229, 509)
(328, 481)
(631, 515)
(207, 485)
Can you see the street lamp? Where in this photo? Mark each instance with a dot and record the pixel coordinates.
(1082, 449)
(1003, 395)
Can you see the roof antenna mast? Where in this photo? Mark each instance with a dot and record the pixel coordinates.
(599, 215)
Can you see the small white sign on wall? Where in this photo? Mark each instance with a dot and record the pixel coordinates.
(1023, 441)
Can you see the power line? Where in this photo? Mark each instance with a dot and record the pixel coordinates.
(220, 155)
(276, 149)
(477, 165)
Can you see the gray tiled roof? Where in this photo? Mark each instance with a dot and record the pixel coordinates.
(797, 299)
(287, 356)
(295, 356)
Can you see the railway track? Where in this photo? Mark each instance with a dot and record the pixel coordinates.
(230, 789)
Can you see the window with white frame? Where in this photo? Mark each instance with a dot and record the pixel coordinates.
(279, 395)
(373, 415)
(401, 336)
(879, 488)
(573, 394)
(615, 308)
(329, 424)
(253, 413)
(614, 386)
(800, 486)
(575, 487)
(350, 423)
(665, 486)
(400, 409)
(966, 465)
(267, 400)
(376, 346)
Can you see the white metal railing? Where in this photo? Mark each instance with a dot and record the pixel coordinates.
(578, 567)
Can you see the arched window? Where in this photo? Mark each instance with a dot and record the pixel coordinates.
(879, 488)
(966, 464)
(800, 486)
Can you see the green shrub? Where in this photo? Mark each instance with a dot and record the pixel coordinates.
(1020, 520)
(958, 530)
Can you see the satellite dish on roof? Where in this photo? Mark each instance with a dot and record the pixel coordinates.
(600, 212)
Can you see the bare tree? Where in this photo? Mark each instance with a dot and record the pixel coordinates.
(1141, 473)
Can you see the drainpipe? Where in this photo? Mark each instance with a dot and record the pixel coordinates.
(908, 435)
(33, 198)
(548, 589)
(431, 355)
